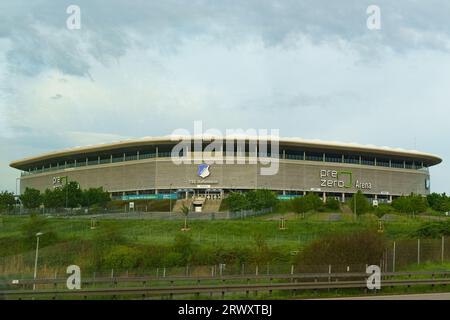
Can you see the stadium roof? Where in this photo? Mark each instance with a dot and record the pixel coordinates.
(332, 146)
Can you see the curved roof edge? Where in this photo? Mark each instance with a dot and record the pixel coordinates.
(336, 145)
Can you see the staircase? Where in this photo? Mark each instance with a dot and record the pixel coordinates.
(179, 204)
(211, 205)
(208, 205)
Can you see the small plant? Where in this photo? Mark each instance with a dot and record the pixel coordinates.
(185, 210)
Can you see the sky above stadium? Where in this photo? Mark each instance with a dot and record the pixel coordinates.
(311, 69)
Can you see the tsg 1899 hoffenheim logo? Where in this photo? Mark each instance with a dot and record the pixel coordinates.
(203, 170)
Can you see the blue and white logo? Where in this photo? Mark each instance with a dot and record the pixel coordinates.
(203, 170)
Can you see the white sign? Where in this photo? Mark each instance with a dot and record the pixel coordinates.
(131, 205)
(374, 279)
(74, 280)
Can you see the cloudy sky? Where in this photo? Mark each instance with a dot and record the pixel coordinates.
(139, 68)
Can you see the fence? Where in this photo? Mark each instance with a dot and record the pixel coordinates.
(147, 286)
(403, 253)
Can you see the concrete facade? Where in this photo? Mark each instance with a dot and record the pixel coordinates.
(144, 166)
(293, 175)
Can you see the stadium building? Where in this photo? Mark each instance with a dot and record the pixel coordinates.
(144, 169)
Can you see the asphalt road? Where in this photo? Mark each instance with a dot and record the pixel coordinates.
(422, 296)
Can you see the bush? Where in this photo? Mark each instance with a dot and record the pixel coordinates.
(251, 200)
(121, 257)
(439, 202)
(333, 204)
(307, 203)
(362, 247)
(183, 245)
(435, 229)
(7, 201)
(410, 204)
(31, 198)
(383, 209)
(361, 203)
(34, 225)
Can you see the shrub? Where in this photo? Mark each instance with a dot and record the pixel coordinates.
(344, 249)
(410, 204)
(307, 203)
(433, 229)
(34, 225)
(360, 203)
(333, 204)
(183, 245)
(121, 257)
(31, 198)
(383, 209)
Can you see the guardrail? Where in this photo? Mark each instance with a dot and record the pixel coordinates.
(151, 286)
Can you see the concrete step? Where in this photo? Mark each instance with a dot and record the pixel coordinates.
(179, 204)
(211, 205)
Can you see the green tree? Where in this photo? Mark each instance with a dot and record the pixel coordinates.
(236, 202)
(313, 201)
(411, 204)
(299, 205)
(439, 202)
(73, 194)
(261, 199)
(333, 204)
(53, 198)
(185, 210)
(7, 200)
(31, 198)
(359, 203)
(95, 196)
(310, 202)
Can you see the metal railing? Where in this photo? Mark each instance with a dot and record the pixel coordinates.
(151, 285)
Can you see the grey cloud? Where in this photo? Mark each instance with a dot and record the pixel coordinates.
(107, 27)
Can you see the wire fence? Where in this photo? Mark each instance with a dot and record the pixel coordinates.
(398, 255)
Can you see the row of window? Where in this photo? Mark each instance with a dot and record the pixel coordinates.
(322, 157)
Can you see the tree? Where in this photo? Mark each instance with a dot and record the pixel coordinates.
(359, 203)
(7, 200)
(72, 194)
(410, 204)
(307, 203)
(333, 204)
(236, 202)
(260, 199)
(31, 198)
(439, 202)
(53, 198)
(185, 210)
(94, 196)
(299, 205)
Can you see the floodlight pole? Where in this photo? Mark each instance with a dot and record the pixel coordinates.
(36, 259)
(170, 199)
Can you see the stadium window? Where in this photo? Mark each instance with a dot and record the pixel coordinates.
(368, 161)
(329, 157)
(382, 162)
(351, 159)
(397, 164)
(314, 156)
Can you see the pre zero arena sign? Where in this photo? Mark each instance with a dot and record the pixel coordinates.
(341, 179)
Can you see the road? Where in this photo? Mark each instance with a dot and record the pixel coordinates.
(421, 296)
